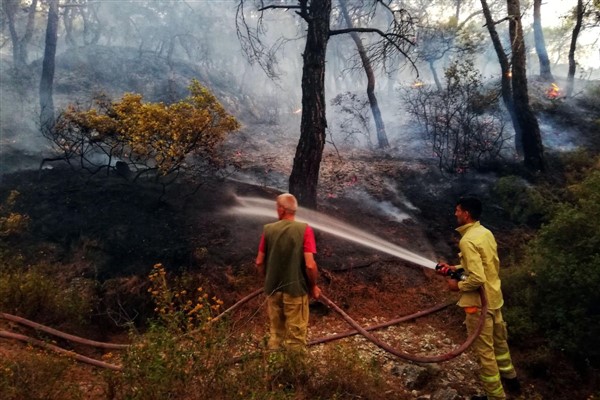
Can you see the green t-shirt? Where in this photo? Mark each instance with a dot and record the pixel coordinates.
(284, 258)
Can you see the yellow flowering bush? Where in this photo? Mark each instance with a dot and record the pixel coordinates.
(145, 136)
(12, 223)
(180, 309)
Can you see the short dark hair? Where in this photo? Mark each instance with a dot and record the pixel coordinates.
(472, 205)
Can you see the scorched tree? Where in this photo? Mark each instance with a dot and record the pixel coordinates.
(395, 37)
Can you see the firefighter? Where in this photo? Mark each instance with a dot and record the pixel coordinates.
(479, 259)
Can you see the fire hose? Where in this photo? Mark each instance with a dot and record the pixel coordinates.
(364, 331)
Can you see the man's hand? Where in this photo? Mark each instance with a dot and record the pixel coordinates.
(315, 292)
(444, 267)
(453, 285)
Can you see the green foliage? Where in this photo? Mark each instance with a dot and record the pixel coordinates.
(145, 136)
(37, 375)
(189, 354)
(184, 354)
(564, 261)
(524, 203)
(577, 165)
(38, 294)
(12, 223)
(347, 374)
(181, 309)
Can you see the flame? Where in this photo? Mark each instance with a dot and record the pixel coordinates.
(298, 111)
(553, 91)
(418, 84)
(509, 74)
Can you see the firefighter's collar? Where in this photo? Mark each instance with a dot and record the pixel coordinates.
(464, 228)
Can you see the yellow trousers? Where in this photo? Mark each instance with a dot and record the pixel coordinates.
(288, 317)
(493, 353)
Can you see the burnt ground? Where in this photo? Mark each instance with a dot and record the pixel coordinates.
(113, 231)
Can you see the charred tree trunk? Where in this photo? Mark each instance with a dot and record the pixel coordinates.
(572, 64)
(533, 151)
(506, 84)
(540, 42)
(382, 139)
(305, 172)
(47, 80)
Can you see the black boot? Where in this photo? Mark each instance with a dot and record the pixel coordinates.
(513, 386)
(479, 397)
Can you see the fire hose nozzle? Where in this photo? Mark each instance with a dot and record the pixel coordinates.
(458, 274)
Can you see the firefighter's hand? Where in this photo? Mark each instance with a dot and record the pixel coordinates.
(442, 268)
(315, 292)
(453, 285)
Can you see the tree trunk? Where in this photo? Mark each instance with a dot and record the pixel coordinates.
(533, 150)
(19, 45)
(572, 65)
(506, 85)
(457, 13)
(382, 139)
(47, 80)
(68, 16)
(305, 172)
(436, 79)
(540, 42)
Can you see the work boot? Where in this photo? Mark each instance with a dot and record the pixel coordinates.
(512, 385)
(479, 397)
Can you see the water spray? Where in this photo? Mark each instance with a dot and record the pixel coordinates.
(266, 208)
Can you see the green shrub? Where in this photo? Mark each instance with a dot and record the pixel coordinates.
(565, 261)
(188, 354)
(345, 373)
(184, 354)
(12, 223)
(518, 285)
(524, 203)
(39, 295)
(37, 375)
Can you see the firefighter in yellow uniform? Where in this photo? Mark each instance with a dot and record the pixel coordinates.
(479, 259)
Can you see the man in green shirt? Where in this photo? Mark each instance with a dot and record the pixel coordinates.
(479, 259)
(286, 260)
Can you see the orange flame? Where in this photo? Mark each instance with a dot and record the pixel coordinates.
(418, 84)
(553, 91)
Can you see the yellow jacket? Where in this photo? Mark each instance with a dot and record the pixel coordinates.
(479, 257)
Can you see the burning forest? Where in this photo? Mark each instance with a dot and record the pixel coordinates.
(143, 147)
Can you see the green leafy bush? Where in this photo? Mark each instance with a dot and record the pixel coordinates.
(524, 203)
(564, 261)
(12, 223)
(144, 137)
(187, 353)
(37, 375)
(37, 294)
